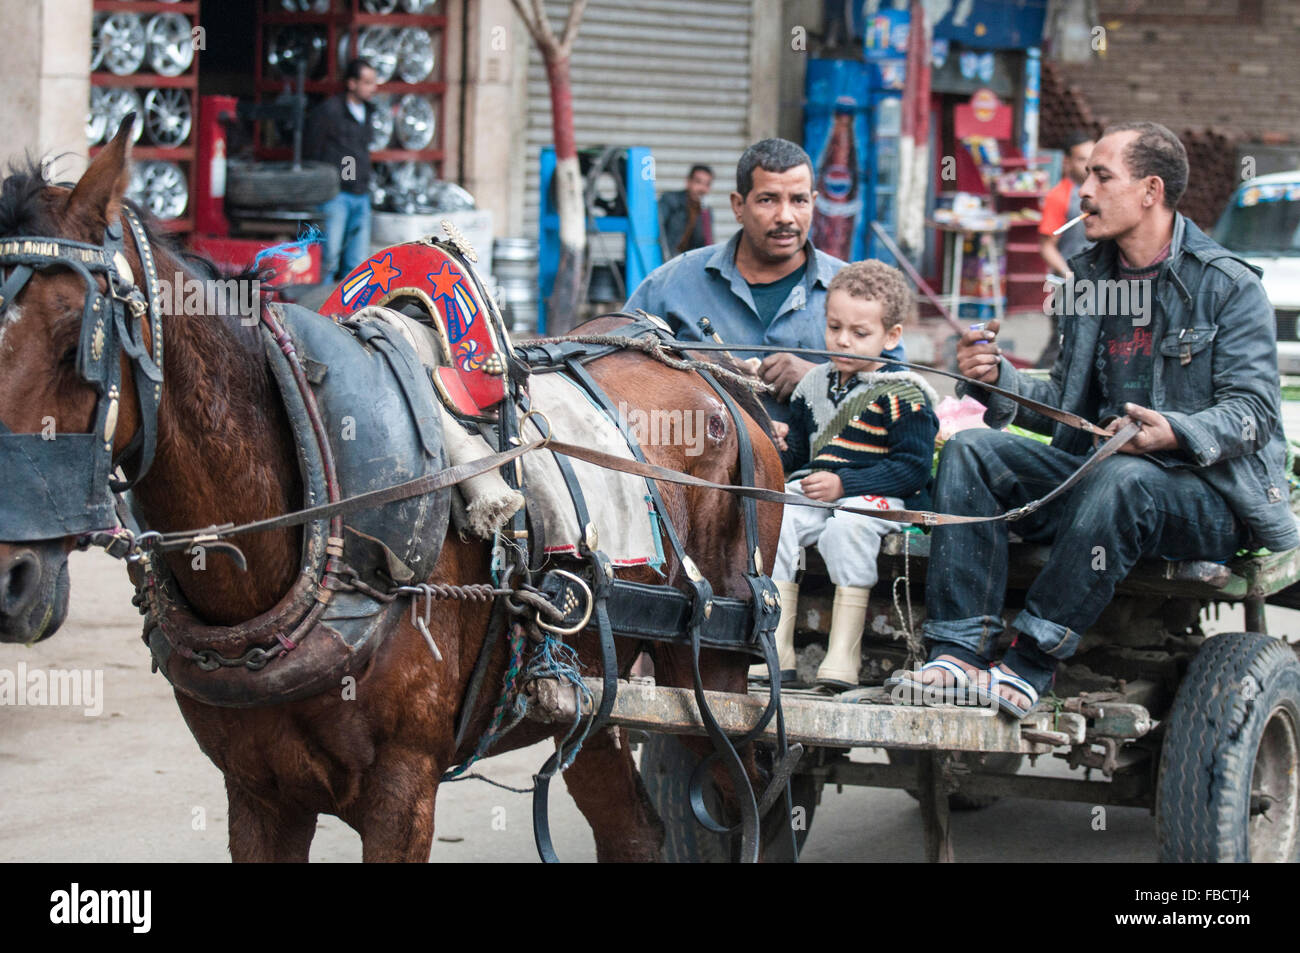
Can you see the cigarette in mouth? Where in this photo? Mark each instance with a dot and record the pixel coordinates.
(1072, 222)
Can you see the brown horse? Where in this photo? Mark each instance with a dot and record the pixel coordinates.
(225, 454)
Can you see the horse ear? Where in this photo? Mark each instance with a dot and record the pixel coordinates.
(97, 197)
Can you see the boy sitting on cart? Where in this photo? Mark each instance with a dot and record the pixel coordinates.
(859, 434)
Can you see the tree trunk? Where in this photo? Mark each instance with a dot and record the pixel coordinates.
(562, 308)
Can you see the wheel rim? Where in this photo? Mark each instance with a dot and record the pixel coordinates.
(96, 48)
(1275, 791)
(377, 45)
(381, 123)
(414, 55)
(122, 43)
(409, 184)
(416, 122)
(171, 44)
(294, 43)
(117, 105)
(379, 6)
(165, 190)
(96, 119)
(167, 116)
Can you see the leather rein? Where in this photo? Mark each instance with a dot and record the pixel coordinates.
(454, 475)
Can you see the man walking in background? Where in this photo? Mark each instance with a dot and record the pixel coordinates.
(1060, 206)
(685, 220)
(338, 132)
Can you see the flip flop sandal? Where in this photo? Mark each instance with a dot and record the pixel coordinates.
(990, 696)
(915, 692)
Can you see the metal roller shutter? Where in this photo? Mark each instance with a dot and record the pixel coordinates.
(673, 75)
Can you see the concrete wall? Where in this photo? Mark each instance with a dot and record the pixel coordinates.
(496, 73)
(45, 72)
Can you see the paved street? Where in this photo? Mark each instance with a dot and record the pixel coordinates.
(132, 785)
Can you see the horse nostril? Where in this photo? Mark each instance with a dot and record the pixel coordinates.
(18, 583)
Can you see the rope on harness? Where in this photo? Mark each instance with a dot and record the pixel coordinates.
(654, 348)
(550, 658)
(511, 703)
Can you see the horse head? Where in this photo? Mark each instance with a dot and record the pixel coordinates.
(66, 392)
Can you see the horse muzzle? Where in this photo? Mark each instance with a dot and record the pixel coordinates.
(33, 591)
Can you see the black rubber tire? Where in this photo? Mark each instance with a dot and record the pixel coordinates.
(272, 184)
(995, 763)
(666, 766)
(1235, 687)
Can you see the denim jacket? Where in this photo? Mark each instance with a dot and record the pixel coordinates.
(1215, 378)
(705, 282)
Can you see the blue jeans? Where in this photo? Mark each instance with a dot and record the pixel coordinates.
(1126, 509)
(347, 234)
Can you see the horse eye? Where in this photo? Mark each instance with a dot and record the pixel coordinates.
(69, 357)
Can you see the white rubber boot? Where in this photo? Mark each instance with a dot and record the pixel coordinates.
(784, 634)
(844, 652)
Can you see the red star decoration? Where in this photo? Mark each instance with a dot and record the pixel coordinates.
(383, 272)
(444, 281)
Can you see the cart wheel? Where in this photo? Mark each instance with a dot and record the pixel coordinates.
(1229, 788)
(996, 763)
(666, 766)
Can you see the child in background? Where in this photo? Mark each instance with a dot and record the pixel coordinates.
(861, 435)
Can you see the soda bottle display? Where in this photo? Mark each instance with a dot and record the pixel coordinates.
(839, 200)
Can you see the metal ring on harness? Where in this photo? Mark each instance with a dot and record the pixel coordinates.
(546, 434)
(586, 615)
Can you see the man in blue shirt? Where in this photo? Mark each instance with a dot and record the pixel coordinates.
(767, 284)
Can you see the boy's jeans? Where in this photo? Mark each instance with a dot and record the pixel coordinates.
(1127, 508)
(347, 235)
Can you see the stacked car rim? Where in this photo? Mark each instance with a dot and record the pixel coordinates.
(162, 43)
(416, 122)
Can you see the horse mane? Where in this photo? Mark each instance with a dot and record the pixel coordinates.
(28, 207)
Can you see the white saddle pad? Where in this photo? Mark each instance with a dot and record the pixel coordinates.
(617, 503)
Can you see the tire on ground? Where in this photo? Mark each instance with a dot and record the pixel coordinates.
(1239, 685)
(993, 763)
(666, 766)
(272, 184)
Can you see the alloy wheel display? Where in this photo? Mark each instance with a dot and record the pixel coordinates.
(293, 44)
(168, 116)
(96, 117)
(409, 184)
(96, 50)
(377, 45)
(170, 43)
(415, 57)
(118, 102)
(122, 43)
(381, 123)
(166, 193)
(416, 122)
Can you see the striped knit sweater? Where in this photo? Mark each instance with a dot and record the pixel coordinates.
(877, 434)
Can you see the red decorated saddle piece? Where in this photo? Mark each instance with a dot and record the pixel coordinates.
(436, 277)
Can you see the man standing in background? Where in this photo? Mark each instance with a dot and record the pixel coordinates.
(338, 132)
(685, 221)
(1060, 206)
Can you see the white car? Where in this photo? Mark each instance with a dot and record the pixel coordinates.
(1262, 225)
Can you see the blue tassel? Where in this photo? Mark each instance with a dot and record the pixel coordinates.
(276, 258)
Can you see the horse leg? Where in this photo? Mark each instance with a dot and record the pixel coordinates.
(396, 809)
(607, 788)
(263, 831)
